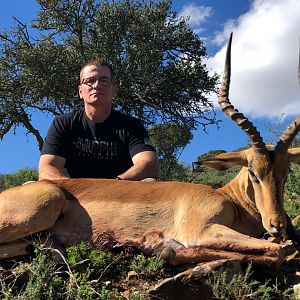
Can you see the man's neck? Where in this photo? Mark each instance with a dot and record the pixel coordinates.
(97, 115)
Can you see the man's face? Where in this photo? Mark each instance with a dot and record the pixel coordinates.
(96, 86)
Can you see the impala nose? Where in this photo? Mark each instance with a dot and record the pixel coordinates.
(277, 229)
(274, 231)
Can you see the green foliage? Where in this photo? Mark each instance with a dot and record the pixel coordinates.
(292, 184)
(212, 177)
(146, 266)
(6, 290)
(95, 259)
(157, 57)
(171, 169)
(209, 176)
(137, 296)
(292, 205)
(84, 287)
(18, 178)
(241, 286)
(101, 259)
(43, 278)
(77, 253)
(169, 138)
(43, 282)
(209, 154)
(292, 194)
(106, 294)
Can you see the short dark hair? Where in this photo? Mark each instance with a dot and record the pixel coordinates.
(99, 63)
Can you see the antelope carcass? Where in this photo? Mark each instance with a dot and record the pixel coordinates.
(182, 222)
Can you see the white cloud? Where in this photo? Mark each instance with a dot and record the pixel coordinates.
(264, 58)
(196, 14)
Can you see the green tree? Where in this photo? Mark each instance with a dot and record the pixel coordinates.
(157, 57)
(209, 154)
(170, 140)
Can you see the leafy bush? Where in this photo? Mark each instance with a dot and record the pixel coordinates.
(18, 178)
(97, 261)
(242, 286)
(146, 266)
(209, 154)
(44, 278)
(292, 206)
(77, 253)
(293, 182)
(41, 280)
(171, 170)
(212, 177)
(292, 194)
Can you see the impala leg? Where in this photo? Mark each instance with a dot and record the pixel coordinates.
(221, 242)
(27, 209)
(199, 254)
(17, 248)
(26, 246)
(226, 238)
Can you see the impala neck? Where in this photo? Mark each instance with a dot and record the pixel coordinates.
(241, 192)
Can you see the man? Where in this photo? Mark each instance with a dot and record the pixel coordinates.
(97, 141)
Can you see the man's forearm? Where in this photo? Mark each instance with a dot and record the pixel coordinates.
(141, 171)
(51, 172)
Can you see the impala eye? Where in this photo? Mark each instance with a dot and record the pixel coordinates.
(253, 176)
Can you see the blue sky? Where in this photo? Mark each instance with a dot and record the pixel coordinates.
(264, 69)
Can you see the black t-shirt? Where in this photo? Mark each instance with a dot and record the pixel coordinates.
(96, 150)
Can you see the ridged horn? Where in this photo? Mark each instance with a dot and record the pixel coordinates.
(226, 106)
(288, 135)
(291, 131)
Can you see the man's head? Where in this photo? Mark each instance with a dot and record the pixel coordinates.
(97, 83)
(98, 64)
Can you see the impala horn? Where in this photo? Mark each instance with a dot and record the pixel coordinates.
(223, 99)
(291, 131)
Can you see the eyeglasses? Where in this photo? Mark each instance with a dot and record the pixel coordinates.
(104, 81)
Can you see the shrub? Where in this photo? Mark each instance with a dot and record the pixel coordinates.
(42, 281)
(77, 253)
(98, 261)
(242, 286)
(146, 266)
(292, 184)
(18, 178)
(212, 177)
(42, 278)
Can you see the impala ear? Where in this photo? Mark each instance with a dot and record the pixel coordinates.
(225, 161)
(294, 155)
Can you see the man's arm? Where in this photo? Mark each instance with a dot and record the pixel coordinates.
(52, 167)
(145, 165)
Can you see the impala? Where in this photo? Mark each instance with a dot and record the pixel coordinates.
(182, 222)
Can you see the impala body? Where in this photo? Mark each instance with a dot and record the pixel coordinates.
(182, 222)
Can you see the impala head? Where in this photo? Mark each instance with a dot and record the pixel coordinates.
(265, 167)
